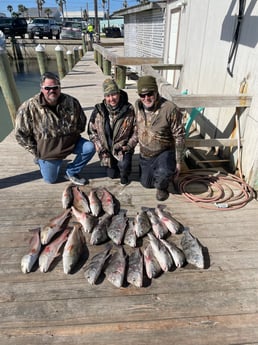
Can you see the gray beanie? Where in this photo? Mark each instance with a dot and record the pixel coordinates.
(110, 87)
(147, 84)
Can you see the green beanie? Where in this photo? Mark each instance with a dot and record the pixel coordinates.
(110, 87)
(147, 84)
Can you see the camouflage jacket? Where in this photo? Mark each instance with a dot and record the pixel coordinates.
(161, 129)
(120, 137)
(49, 132)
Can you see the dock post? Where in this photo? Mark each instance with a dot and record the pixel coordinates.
(70, 60)
(80, 50)
(100, 63)
(106, 66)
(76, 55)
(84, 43)
(7, 84)
(40, 50)
(60, 61)
(120, 76)
(95, 56)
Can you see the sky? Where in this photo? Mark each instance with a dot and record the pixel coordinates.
(71, 5)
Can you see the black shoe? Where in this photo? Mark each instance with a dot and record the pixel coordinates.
(124, 181)
(76, 179)
(162, 194)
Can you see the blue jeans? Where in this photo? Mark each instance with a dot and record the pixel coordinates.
(84, 151)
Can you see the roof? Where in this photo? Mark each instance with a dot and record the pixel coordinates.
(33, 12)
(78, 14)
(140, 8)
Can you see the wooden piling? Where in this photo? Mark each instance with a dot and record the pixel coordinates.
(106, 66)
(84, 44)
(41, 57)
(70, 60)
(121, 76)
(60, 61)
(8, 86)
(76, 54)
(80, 50)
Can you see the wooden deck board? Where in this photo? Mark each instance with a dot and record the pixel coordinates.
(216, 305)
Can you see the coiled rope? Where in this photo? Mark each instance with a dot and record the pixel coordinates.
(220, 191)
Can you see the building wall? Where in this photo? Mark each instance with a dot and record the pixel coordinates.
(204, 40)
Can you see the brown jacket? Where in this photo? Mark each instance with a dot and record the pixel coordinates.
(119, 137)
(161, 130)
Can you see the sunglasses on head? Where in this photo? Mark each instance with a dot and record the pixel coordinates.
(149, 94)
(48, 88)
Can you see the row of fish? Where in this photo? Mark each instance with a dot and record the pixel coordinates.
(159, 256)
(98, 215)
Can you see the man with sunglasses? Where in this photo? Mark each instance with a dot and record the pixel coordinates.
(161, 137)
(49, 125)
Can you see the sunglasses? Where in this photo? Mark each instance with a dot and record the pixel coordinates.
(48, 88)
(149, 94)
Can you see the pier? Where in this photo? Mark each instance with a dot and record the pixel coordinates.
(186, 306)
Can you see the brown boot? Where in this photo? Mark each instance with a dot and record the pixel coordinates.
(162, 194)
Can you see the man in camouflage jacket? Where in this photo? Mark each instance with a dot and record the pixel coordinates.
(49, 125)
(112, 129)
(161, 137)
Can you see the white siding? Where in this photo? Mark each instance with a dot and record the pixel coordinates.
(205, 36)
(144, 33)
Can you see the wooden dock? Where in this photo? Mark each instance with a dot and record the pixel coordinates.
(215, 305)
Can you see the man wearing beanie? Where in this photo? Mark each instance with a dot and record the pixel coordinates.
(112, 128)
(161, 137)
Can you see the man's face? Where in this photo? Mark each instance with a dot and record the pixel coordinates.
(112, 99)
(148, 99)
(51, 91)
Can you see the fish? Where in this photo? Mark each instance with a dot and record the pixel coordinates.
(161, 253)
(107, 202)
(51, 251)
(28, 260)
(55, 225)
(159, 229)
(80, 200)
(176, 253)
(130, 235)
(99, 233)
(135, 268)
(87, 220)
(142, 223)
(73, 249)
(152, 267)
(171, 223)
(67, 196)
(117, 227)
(192, 249)
(115, 270)
(93, 270)
(95, 203)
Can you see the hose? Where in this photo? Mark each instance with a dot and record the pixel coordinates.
(222, 191)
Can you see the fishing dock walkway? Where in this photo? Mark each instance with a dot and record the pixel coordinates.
(214, 305)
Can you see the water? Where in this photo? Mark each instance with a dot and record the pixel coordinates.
(27, 77)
